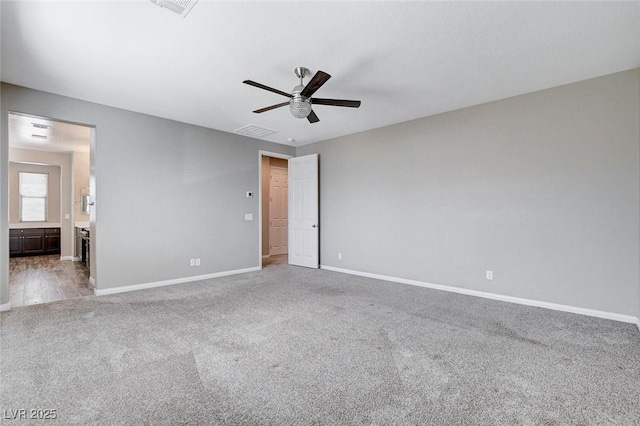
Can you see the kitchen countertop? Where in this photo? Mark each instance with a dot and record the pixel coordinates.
(82, 224)
(31, 225)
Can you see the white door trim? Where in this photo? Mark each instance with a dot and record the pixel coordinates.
(261, 154)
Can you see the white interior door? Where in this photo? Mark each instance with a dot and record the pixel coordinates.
(278, 211)
(303, 211)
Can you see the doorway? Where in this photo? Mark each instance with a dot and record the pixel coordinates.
(50, 175)
(274, 208)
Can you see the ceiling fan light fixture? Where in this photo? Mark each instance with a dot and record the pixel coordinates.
(300, 107)
(301, 97)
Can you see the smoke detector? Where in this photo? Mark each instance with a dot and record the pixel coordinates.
(181, 7)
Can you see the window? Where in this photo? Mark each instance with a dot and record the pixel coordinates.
(33, 197)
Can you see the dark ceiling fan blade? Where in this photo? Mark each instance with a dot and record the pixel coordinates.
(312, 117)
(271, 89)
(336, 102)
(269, 108)
(316, 82)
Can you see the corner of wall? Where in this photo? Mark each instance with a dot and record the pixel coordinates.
(638, 101)
(4, 200)
(4, 209)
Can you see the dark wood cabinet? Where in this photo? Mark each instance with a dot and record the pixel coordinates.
(32, 244)
(52, 240)
(34, 241)
(15, 244)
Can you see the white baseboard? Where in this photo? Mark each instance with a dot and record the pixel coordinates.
(5, 307)
(92, 283)
(521, 301)
(67, 258)
(75, 258)
(114, 290)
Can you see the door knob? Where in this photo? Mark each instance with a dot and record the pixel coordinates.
(313, 226)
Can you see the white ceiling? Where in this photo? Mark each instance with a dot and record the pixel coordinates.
(403, 60)
(47, 135)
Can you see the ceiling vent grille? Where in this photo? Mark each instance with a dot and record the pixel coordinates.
(181, 7)
(255, 131)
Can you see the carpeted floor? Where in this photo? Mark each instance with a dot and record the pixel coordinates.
(290, 345)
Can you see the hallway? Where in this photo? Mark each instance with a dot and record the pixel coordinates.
(278, 259)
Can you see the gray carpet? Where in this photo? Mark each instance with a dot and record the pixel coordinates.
(290, 345)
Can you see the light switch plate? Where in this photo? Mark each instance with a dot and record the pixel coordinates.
(248, 216)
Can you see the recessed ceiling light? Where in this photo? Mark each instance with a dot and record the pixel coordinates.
(39, 136)
(32, 163)
(291, 140)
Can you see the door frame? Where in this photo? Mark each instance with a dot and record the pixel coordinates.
(261, 154)
(92, 185)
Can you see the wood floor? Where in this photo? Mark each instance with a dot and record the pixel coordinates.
(41, 279)
(277, 259)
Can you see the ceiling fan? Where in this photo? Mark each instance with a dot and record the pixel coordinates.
(300, 101)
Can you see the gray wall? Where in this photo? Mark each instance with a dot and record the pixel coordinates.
(543, 189)
(4, 210)
(165, 192)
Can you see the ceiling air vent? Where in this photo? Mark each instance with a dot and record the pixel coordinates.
(181, 7)
(255, 131)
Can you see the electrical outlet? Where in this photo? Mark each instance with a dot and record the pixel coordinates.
(192, 262)
(198, 262)
(489, 275)
(339, 256)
